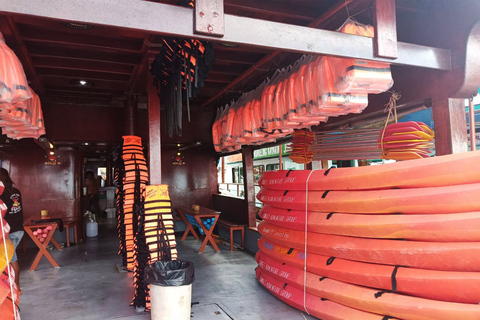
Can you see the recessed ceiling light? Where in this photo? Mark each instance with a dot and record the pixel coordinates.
(85, 143)
(78, 26)
(81, 83)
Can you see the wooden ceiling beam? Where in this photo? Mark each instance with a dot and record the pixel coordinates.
(75, 64)
(228, 68)
(276, 9)
(80, 74)
(77, 95)
(219, 78)
(37, 50)
(13, 38)
(36, 35)
(238, 57)
(86, 90)
(164, 19)
(82, 102)
(98, 84)
(142, 66)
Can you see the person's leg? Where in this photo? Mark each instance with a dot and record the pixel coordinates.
(16, 237)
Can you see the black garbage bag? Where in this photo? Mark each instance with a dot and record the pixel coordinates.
(170, 273)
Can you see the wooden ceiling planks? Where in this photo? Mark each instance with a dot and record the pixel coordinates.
(67, 63)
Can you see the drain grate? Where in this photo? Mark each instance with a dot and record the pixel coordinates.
(212, 311)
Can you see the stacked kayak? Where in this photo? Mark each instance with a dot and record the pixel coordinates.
(399, 240)
(20, 109)
(9, 292)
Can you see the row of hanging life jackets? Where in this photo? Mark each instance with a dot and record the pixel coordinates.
(20, 109)
(310, 91)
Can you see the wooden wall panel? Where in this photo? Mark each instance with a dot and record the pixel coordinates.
(191, 183)
(83, 123)
(232, 209)
(53, 188)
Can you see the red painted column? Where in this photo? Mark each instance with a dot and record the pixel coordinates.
(249, 185)
(154, 138)
(130, 116)
(450, 121)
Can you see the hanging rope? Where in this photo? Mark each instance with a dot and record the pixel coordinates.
(391, 108)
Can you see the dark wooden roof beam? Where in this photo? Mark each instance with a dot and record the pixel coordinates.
(98, 84)
(86, 90)
(75, 64)
(80, 74)
(270, 8)
(13, 38)
(159, 18)
(42, 50)
(36, 35)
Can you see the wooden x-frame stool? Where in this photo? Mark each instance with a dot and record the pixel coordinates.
(29, 229)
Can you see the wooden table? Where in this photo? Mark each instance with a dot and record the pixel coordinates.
(198, 215)
(29, 229)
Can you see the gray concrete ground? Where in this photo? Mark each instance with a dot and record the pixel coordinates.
(88, 285)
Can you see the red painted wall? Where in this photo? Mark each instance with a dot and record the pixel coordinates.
(52, 188)
(192, 183)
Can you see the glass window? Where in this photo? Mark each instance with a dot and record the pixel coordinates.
(230, 176)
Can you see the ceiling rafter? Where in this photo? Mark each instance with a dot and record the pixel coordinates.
(271, 9)
(81, 74)
(76, 64)
(36, 35)
(11, 33)
(58, 52)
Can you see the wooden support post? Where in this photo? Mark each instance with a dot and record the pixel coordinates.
(130, 116)
(249, 185)
(109, 181)
(471, 112)
(280, 164)
(223, 169)
(449, 117)
(154, 138)
(385, 43)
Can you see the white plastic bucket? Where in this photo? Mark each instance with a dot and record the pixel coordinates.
(111, 213)
(92, 229)
(171, 302)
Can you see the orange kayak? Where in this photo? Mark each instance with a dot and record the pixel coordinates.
(320, 308)
(366, 299)
(453, 227)
(429, 172)
(454, 286)
(447, 256)
(433, 200)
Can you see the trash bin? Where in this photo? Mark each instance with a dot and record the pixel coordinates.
(170, 289)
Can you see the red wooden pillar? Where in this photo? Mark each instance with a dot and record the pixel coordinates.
(130, 116)
(450, 121)
(154, 138)
(385, 29)
(249, 185)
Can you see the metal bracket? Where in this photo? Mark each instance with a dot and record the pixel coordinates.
(209, 17)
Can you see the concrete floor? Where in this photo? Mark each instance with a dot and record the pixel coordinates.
(88, 285)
